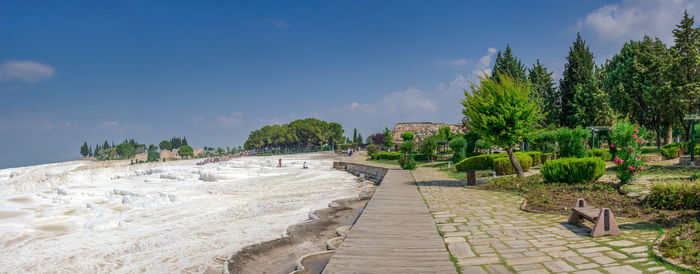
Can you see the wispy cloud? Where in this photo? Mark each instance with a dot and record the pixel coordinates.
(25, 71)
(631, 19)
(453, 63)
(274, 22)
(484, 66)
(120, 128)
(33, 124)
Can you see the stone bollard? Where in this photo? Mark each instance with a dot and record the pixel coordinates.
(471, 177)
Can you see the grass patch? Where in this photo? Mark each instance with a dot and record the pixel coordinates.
(683, 243)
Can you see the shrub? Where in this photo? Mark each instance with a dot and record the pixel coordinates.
(628, 157)
(670, 152)
(407, 147)
(478, 162)
(536, 157)
(544, 157)
(408, 136)
(428, 147)
(573, 170)
(472, 138)
(675, 195)
(503, 166)
(420, 157)
(682, 242)
(459, 149)
(572, 142)
(545, 141)
(600, 153)
(185, 151)
(383, 155)
(372, 149)
(407, 162)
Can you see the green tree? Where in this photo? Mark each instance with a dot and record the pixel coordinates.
(153, 155)
(388, 137)
(507, 64)
(106, 145)
(590, 106)
(578, 71)
(428, 147)
(354, 135)
(165, 145)
(126, 150)
(637, 82)
(545, 93)
(185, 151)
(359, 140)
(502, 113)
(96, 152)
(84, 150)
(408, 136)
(336, 133)
(685, 70)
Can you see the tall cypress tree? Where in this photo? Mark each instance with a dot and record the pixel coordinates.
(84, 150)
(544, 92)
(507, 64)
(96, 152)
(578, 70)
(685, 70)
(354, 135)
(106, 145)
(359, 139)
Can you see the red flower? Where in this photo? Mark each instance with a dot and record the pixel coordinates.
(634, 136)
(631, 168)
(641, 168)
(612, 146)
(636, 130)
(612, 124)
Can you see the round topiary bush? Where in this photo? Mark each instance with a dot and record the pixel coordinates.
(573, 170)
(536, 157)
(600, 153)
(503, 166)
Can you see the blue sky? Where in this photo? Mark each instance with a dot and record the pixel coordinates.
(74, 71)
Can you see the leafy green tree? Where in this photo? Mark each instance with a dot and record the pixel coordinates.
(458, 146)
(106, 145)
(545, 93)
(84, 150)
(153, 155)
(502, 113)
(185, 151)
(407, 147)
(336, 133)
(126, 150)
(578, 71)
(388, 137)
(507, 64)
(428, 147)
(96, 152)
(685, 71)
(408, 136)
(359, 140)
(637, 82)
(90, 151)
(445, 133)
(354, 135)
(165, 145)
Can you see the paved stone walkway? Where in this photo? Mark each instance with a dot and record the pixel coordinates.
(488, 233)
(395, 234)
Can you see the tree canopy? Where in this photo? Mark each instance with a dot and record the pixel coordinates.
(578, 71)
(507, 64)
(302, 132)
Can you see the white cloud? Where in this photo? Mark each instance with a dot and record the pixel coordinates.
(117, 127)
(454, 63)
(484, 66)
(234, 119)
(25, 71)
(632, 19)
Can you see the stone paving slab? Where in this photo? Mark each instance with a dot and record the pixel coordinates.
(500, 234)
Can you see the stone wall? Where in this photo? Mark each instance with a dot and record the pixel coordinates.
(372, 173)
(422, 130)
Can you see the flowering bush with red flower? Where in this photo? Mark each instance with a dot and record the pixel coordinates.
(625, 137)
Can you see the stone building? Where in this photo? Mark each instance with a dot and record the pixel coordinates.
(422, 130)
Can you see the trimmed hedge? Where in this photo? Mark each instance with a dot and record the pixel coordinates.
(573, 170)
(536, 157)
(420, 157)
(600, 153)
(386, 155)
(544, 157)
(503, 166)
(670, 152)
(675, 195)
(479, 162)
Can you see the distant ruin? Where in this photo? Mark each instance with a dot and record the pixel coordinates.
(422, 130)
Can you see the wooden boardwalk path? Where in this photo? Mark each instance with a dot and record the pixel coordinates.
(395, 234)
